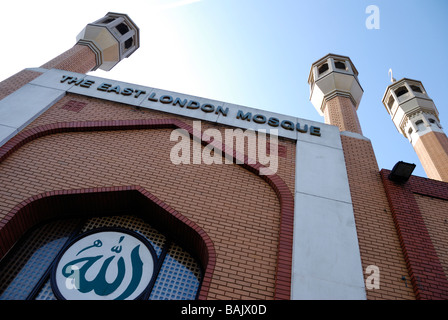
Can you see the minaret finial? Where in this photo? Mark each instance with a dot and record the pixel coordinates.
(392, 79)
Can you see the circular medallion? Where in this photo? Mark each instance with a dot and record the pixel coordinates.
(104, 264)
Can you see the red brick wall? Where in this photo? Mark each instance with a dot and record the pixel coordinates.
(247, 217)
(422, 232)
(435, 215)
(378, 239)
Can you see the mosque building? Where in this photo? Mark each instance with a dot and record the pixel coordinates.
(113, 190)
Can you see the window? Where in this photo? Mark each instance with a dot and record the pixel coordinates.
(390, 102)
(340, 65)
(122, 28)
(431, 120)
(416, 89)
(323, 68)
(128, 43)
(27, 272)
(420, 125)
(401, 91)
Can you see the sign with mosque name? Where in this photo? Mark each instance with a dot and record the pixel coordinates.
(104, 264)
(190, 104)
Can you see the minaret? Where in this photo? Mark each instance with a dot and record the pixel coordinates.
(336, 92)
(416, 117)
(101, 44)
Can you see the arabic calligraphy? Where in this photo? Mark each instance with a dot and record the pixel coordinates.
(105, 265)
(97, 243)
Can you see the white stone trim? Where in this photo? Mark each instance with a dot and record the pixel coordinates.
(21, 107)
(52, 79)
(326, 257)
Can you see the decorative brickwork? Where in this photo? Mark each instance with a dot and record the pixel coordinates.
(74, 105)
(106, 201)
(419, 226)
(251, 227)
(86, 156)
(98, 110)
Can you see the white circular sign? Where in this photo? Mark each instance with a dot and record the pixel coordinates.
(105, 264)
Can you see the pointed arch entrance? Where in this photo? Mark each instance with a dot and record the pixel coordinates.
(131, 208)
(11, 232)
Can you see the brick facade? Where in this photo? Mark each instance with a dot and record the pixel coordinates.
(17, 81)
(421, 226)
(378, 239)
(84, 150)
(79, 59)
(248, 218)
(435, 216)
(396, 228)
(59, 204)
(340, 111)
(432, 150)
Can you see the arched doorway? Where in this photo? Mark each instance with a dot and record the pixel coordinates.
(177, 265)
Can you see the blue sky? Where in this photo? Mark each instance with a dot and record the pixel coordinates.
(255, 53)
